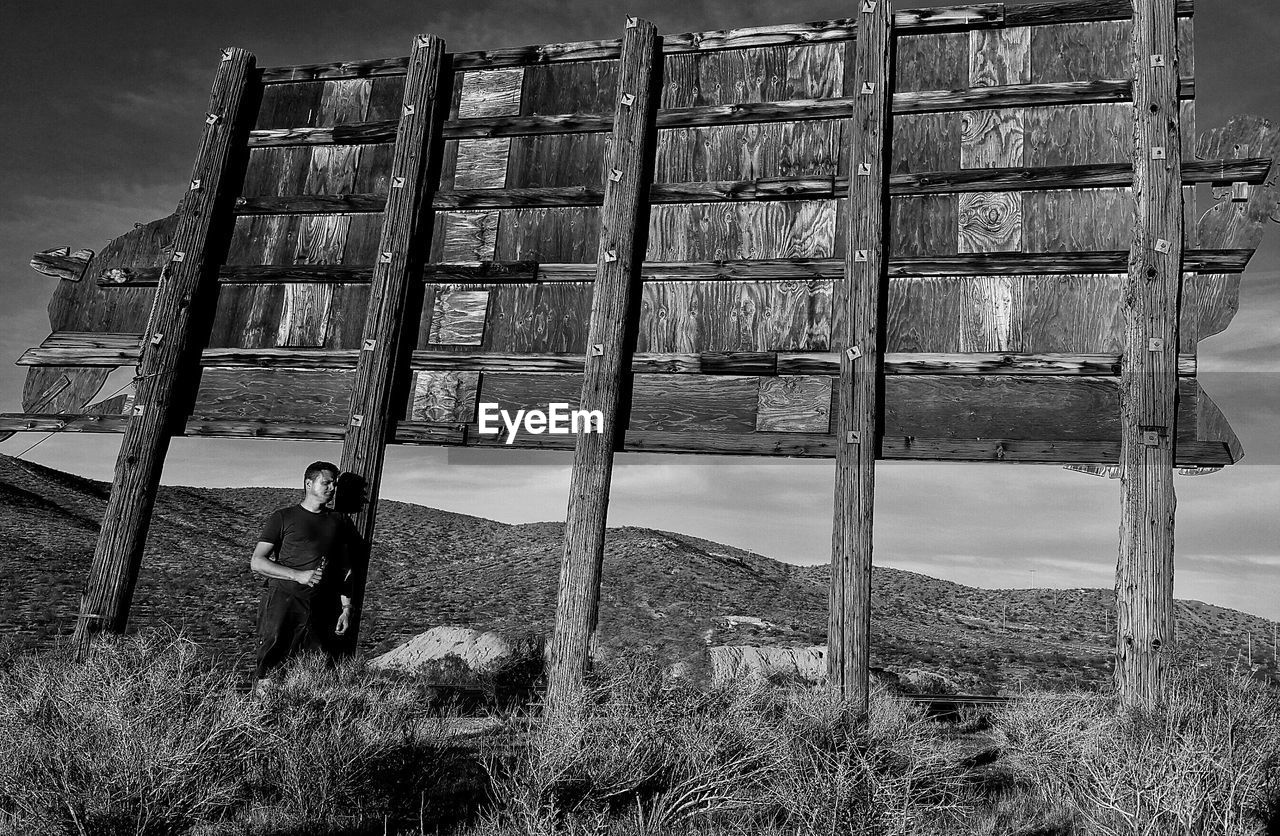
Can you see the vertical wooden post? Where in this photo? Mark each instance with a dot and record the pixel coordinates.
(408, 210)
(171, 352)
(624, 222)
(1148, 382)
(858, 340)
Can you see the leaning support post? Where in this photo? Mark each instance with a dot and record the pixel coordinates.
(1148, 382)
(171, 355)
(624, 225)
(857, 340)
(371, 420)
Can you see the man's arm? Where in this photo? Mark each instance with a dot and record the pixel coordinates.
(262, 564)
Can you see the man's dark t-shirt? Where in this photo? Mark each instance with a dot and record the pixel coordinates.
(301, 539)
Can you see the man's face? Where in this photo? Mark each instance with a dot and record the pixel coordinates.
(322, 486)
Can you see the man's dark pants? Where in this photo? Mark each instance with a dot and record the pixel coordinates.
(284, 628)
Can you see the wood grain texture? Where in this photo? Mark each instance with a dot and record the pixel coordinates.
(466, 236)
(482, 164)
(556, 160)
(458, 317)
(1078, 219)
(989, 222)
(1081, 51)
(1078, 134)
(931, 62)
(620, 252)
(379, 378)
(793, 229)
(490, 93)
(920, 226)
(926, 142)
(743, 152)
(85, 306)
(286, 395)
(688, 402)
(444, 396)
(1148, 383)
(794, 404)
(289, 105)
(735, 316)
(549, 235)
(1229, 223)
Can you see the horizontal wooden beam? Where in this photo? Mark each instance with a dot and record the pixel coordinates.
(1107, 175)
(905, 22)
(965, 264)
(926, 101)
(96, 349)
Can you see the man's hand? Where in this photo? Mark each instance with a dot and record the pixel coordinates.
(310, 577)
(344, 621)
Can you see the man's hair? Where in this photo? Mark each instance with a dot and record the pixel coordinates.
(316, 468)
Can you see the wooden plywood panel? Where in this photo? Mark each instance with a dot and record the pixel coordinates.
(709, 231)
(386, 98)
(331, 170)
(922, 314)
(264, 239)
(482, 163)
(512, 391)
(55, 389)
(690, 317)
(931, 62)
(373, 176)
(343, 101)
(924, 225)
(989, 222)
(84, 306)
(991, 138)
(304, 315)
(285, 395)
(926, 142)
(1069, 314)
(999, 57)
(690, 402)
(510, 329)
(1208, 304)
(557, 235)
(490, 93)
(321, 239)
(466, 236)
(1077, 220)
(556, 160)
(276, 171)
(363, 232)
(1186, 46)
(576, 87)
(348, 306)
(747, 152)
(1080, 51)
(559, 320)
(986, 308)
(292, 396)
(794, 404)
(444, 396)
(1078, 134)
(458, 316)
(1001, 407)
(291, 105)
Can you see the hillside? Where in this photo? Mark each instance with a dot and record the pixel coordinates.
(670, 591)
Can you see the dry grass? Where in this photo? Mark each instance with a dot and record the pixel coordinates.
(149, 737)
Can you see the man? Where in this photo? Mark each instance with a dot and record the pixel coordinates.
(304, 554)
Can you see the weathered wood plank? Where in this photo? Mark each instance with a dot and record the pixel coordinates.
(62, 264)
(1148, 382)
(490, 93)
(482, 164)
(604, 383)
(459, 316)
(794, 404)
(190, 281)
(285, 395)
(444, 396)
(372, 415)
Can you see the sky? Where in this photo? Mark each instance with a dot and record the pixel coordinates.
(102, 108)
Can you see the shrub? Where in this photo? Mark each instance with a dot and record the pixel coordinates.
(145, 737)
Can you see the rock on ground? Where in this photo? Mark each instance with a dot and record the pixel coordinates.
(480, 652)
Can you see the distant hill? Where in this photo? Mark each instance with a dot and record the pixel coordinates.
(670, 591)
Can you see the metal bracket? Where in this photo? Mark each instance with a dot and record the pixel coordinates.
(627, 99)
(860, 255)
(385, 258)
(867, 88)
(226, 54)
(1239, 192)
(853, 438)
(610, 255)
(357, 420)
(212, 119)
(139, 409)
(1157, 60)
(1151, 434)
(864, 169)
(633, 22)
(854, 352)
(196, 185)
(1163, 245)
(408, 110)
(369, 345)
(397, 182)
(615, 175)
(179, 256)
(157, 338)
(1155, 344)
(597, 350)
(1157, 152)
(868, 6)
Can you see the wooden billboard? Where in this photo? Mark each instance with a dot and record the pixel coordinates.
(997, 293)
